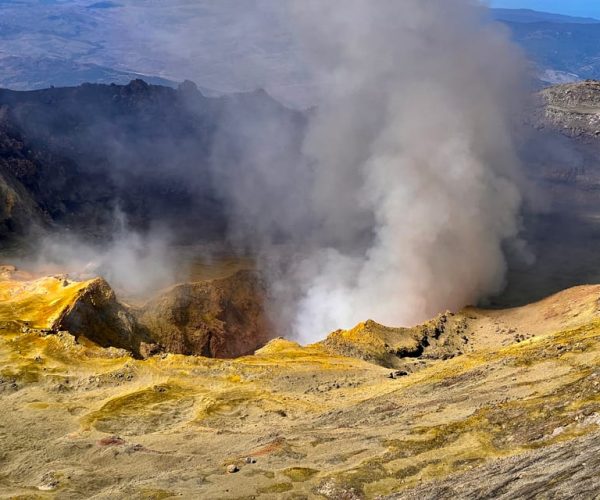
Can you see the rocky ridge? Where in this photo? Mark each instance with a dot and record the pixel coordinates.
(71, 157)
(572, 108)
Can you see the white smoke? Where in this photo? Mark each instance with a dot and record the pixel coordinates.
(411, 146)
(405, 191)
(135, 264)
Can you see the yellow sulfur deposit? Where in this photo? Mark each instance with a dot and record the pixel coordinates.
(321, 421)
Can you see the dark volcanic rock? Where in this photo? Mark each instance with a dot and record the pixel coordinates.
(18, 209)
(563, 470)
(74, 156)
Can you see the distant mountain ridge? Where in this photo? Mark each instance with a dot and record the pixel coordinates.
(58, 43)
(534, 16)
(36, 73)
(564, 49)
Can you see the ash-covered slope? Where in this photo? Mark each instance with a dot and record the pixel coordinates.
(76, 155)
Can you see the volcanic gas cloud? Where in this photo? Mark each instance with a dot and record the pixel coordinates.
(408, 192)
(394, 196)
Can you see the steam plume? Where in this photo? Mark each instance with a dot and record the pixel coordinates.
(134, 263)
(413, 186)
(391, 199)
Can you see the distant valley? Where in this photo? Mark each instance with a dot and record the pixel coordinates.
(69, 43)
(564, 49)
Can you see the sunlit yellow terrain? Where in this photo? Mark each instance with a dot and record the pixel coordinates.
(478, 403)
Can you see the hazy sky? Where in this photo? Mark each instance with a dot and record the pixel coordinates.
(586, 8)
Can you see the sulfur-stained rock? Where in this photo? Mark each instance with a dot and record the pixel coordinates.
(374, 342)
(222, 318)
(232, 469)
(86, 309)
(148, 350)
(452, 334)
(96, 315)
(49, 482)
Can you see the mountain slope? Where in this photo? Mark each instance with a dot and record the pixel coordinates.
(534, 16)
(564, 49)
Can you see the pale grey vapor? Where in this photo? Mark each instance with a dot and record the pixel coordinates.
(411, 141)
(413, 130)
(394, 197)
(413, 188)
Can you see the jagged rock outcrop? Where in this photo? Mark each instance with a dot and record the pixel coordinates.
(18, 209)
(96, 314)
(572, 108)
(87, 309)
(472, 329)
(374, 343)
(222, 318)
(439, 338)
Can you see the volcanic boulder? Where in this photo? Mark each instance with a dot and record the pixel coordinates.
(86, 309)
(96, 315)
(222, 318)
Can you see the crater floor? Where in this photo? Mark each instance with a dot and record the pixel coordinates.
(492, 404)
